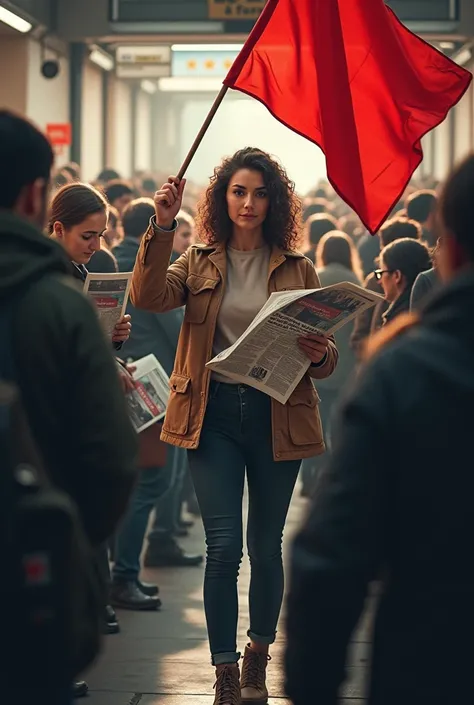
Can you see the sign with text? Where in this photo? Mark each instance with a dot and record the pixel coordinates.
(235, 9)
(59, 134)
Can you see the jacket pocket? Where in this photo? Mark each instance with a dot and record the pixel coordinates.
(179, 405)
(304, 422)
(200, 293)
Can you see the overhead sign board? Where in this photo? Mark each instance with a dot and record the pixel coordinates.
(202, 64)
(146, 54)
(425, 10)
(235, 9)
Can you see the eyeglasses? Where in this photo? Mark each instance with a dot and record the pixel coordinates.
(380, 272)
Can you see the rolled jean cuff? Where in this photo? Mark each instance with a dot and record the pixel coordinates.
(227, 657)
(267, 640)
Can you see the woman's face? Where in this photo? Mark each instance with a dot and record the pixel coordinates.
(183, 238)
(391, 282)
(247, 199)
(81, 241)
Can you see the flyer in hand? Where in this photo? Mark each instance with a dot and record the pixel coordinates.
(110, 295)
(267, 355)
(147, 403)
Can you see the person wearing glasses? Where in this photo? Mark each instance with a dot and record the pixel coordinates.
(400, 264)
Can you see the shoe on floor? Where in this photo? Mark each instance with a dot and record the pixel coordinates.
(148, 589)
(79, 689)
(253, 682)
(111, 625)
(227, 685)
(128, 596)
(170, 555)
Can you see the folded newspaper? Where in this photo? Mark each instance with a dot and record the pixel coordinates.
(147, 403)
(267, 355)
(110, 295)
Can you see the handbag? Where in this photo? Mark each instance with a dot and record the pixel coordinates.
(152, 451)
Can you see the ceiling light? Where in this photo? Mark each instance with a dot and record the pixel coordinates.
(178, 84)
(207, 47)
(12, 20)
(102, 59)
(149, 87)
(464, 57)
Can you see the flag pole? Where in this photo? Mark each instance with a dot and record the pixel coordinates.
(215, 107)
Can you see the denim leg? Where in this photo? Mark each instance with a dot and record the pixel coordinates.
(152, 484)
(157, 532)
(218, 472)
(167, 520)
(270, 486)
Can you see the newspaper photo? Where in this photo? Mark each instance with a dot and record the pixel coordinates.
(147, 403)
(267, 355)
(110, 295)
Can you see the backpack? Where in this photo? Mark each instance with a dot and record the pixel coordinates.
(50, 592)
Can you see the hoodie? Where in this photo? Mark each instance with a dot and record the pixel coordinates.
(395, 500)
(67, 377)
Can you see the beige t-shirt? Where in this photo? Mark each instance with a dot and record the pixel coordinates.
(246, 292)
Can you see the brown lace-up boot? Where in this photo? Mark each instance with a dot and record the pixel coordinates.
(253, 687)
(227, 685)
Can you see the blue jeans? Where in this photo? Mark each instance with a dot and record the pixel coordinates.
(168, 510)
(152, 484)
(237, 437)
(311, 467)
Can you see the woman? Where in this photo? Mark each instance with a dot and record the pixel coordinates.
(113, 235)
(400, 264)
(248, 221)
(78, 219)
(316, 227)
(337, 260)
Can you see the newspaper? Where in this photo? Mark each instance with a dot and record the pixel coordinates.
(148, 401)
(267, 355)
(110, 294)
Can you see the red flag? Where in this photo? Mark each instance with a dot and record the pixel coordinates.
(350, 77)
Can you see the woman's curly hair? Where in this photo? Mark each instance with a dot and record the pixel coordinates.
(282, 224)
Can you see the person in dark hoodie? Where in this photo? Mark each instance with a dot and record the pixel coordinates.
(396, 501)
(64, 367)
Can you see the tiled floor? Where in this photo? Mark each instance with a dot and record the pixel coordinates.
(162, 658)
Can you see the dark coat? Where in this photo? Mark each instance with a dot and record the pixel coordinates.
(396, 499)
(67, 377)
(152, 333)
(102, 262)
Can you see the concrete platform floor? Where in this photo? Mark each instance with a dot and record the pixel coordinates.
(162, 658)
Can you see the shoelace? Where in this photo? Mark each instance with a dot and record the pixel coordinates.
(227, 686)
(253, 675)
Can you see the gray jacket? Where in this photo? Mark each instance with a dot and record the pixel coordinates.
(423, 286)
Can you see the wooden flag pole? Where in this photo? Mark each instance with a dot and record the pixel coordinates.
(215, 107)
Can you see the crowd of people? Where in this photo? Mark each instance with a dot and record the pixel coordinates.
(375, 456)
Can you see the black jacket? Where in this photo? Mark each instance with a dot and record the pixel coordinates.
(152, 333)
(397, 497)
(67, 377)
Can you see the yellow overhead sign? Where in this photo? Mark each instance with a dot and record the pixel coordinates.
(235, 9)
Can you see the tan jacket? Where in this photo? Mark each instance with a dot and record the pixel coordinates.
(196, 280)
